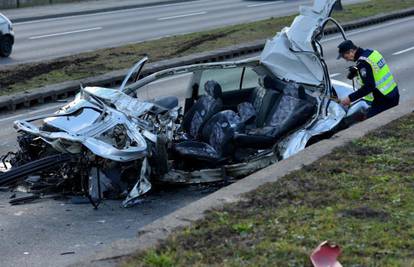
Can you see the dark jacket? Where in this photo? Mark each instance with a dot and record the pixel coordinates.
(367, 76)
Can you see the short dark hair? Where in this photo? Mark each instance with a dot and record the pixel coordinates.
(345, 46)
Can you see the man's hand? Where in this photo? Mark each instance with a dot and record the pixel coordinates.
(352, 72)
(346, 101)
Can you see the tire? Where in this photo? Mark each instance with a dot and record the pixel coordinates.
(6, 46)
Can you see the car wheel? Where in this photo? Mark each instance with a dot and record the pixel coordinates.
(6, 46)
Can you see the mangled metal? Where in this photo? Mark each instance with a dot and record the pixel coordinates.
(109, 143)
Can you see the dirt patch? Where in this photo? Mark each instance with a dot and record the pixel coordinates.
(365, 213)
(386, 133)
(201, 40)
(26, 72)
(366, 150)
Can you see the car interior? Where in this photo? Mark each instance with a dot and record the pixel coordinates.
(253, 119)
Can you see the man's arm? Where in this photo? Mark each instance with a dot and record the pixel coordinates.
(365, 71)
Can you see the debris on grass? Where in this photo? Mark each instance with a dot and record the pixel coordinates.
(325, 255)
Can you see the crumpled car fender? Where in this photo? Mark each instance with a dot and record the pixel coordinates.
(89, 137)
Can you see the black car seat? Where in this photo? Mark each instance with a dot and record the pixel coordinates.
(263, 98)
(216, 142)
(292, 110)
(202, 110)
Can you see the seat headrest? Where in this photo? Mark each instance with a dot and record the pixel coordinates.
(273, 84)
(268, 82)
(213, 89)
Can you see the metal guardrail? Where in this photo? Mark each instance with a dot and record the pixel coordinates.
(112, 79)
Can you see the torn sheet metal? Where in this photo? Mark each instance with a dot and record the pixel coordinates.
(290, 54)
(298, 141)
(92, 136)
(140, 188)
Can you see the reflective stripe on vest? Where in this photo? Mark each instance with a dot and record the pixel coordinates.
(384, 80)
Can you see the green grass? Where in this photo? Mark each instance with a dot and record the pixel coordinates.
(29, 76)
(361, 197)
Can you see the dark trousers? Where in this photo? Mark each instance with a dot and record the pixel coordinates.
(382, 104)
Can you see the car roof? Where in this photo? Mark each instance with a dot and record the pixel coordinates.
(4, 19)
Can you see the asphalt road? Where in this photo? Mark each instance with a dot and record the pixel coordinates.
(42, 39)
(37, 234)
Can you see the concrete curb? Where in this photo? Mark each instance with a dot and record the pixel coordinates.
(159, 230)
(100, 10)
(62, 90)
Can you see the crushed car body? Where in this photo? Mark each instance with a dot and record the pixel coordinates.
(233, 119)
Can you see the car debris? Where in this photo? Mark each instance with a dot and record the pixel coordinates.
(325, 255)
(237, 118)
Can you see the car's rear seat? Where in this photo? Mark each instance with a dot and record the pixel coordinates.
(254, 112)
(290, 110)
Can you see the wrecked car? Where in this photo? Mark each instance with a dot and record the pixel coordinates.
(230, 120)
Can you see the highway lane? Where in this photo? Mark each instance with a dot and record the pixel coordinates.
(397, 49)
(49, 38)
(53, 227)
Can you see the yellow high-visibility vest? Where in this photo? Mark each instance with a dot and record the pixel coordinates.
(384, 80)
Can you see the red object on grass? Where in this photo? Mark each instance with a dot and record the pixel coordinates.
(325, 255)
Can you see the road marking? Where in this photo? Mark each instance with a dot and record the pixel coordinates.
(403, 51)
(265, 4)
(384, 25)
(183, 16)
(335, 75)
(97, 14)
(25, 115)
(64, 33)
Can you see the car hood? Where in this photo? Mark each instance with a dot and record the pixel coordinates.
(290, 54)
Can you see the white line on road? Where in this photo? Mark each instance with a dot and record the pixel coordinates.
(403, 51)
(265, 4)
(335, 75)
(384, 25)
(97, 14)
(24, 115)
(183, 16)
(64, 33)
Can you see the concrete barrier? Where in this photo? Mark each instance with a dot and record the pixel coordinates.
(62, 90)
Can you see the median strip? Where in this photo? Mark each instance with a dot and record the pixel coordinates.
(355, 192)
(360, 197)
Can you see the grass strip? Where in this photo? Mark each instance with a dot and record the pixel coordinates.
(34, 75)
(361, 197)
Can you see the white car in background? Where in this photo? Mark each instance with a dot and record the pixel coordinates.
(6, 36)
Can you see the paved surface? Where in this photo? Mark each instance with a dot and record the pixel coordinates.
(85, 7)
(46, 229)
(43, 39)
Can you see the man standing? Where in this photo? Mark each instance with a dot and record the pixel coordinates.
(373, 74)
